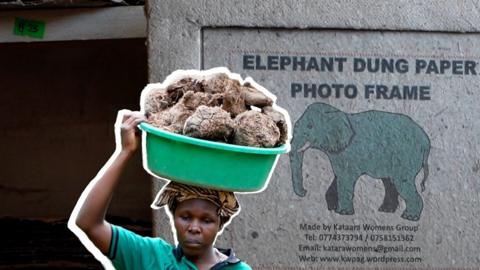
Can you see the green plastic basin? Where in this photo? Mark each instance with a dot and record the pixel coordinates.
(205, 163)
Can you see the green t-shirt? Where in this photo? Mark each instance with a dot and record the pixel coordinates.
(129, 250)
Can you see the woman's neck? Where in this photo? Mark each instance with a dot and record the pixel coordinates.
(207, 259)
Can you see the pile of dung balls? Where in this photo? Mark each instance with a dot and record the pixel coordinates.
(217, 108)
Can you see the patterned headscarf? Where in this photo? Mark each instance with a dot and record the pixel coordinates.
(175, 192)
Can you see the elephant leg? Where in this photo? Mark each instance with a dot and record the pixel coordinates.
(345, 189)
(390, 201)
(413, 201)
(332, 195)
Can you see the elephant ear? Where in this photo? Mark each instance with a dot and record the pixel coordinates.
(337, 130)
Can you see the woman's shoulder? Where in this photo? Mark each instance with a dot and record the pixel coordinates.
(232, 262)
(237, 266)
(129, 238)
(241, 266)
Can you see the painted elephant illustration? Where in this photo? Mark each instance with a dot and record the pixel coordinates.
(386, 146)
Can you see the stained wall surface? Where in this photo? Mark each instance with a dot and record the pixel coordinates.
(384, 167)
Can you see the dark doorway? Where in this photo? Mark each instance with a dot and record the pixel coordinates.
(58, 105)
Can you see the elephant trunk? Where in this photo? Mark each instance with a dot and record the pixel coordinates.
(296, 163)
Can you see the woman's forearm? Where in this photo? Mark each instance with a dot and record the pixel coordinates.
(89, 213)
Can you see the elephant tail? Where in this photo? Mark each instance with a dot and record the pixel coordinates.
(425, 168)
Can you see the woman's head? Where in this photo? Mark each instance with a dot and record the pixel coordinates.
(198, 213)
(197, 224)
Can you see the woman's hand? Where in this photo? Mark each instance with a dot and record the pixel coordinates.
(126, 130)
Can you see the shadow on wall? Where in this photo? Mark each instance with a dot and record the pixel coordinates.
(39, 244)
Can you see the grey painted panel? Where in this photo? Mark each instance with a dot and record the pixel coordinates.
(446, 113)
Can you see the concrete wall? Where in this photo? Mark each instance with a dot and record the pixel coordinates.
(376, 214)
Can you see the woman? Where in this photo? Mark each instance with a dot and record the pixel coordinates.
(198, 215)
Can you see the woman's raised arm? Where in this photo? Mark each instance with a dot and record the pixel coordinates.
(90, 210)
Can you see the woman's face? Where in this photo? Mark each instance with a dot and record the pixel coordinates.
(197, 224)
